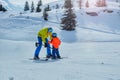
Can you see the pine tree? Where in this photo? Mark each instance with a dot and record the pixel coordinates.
(68, 4)
(116, 0)
(38, 9)
(80, 4)
(57, 6)
(26, 8)
(98, 3)
(1, 7)
(48, 8)
(40, 3)
(104, 3)
(87, 4)
(119, 6)
(101, 3)
(45, 14)
(32, 7)
(4, 10)
(68, 21)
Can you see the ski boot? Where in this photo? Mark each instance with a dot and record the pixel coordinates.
(36, 58)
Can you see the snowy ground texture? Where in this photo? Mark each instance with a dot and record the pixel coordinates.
(84, 61)
(91, 52)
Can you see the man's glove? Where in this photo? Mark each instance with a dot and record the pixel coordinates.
(36, 44)
(45, 45)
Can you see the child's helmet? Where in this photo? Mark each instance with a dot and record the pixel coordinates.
(54, 34)
(50, 29)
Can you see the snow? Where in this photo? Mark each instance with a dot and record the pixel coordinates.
(85, 61)
(91, 52)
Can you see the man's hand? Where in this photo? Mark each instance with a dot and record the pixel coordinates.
(45, 45)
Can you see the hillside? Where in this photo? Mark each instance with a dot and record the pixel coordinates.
(91, 52)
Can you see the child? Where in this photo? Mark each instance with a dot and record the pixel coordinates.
(55, 46)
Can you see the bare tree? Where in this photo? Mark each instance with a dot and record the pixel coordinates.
(87, 4)
(80, 4)
(101, 3)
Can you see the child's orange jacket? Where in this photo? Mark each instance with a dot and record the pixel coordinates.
(55, 42)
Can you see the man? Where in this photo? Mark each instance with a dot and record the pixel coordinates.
(43, 36)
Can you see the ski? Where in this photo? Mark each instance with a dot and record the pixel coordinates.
(38, 59)
(47, 59)
(57, 58)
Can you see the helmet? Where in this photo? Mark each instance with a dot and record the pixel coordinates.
(54, 34)
(50, 29)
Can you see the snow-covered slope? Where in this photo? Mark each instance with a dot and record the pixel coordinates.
(21, 2)
(91, 52)
(9, 6)
(84, 61)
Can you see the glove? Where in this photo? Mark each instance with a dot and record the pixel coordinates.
(36, 44)
(45, 45)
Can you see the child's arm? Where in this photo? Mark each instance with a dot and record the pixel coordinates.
(50, 42)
